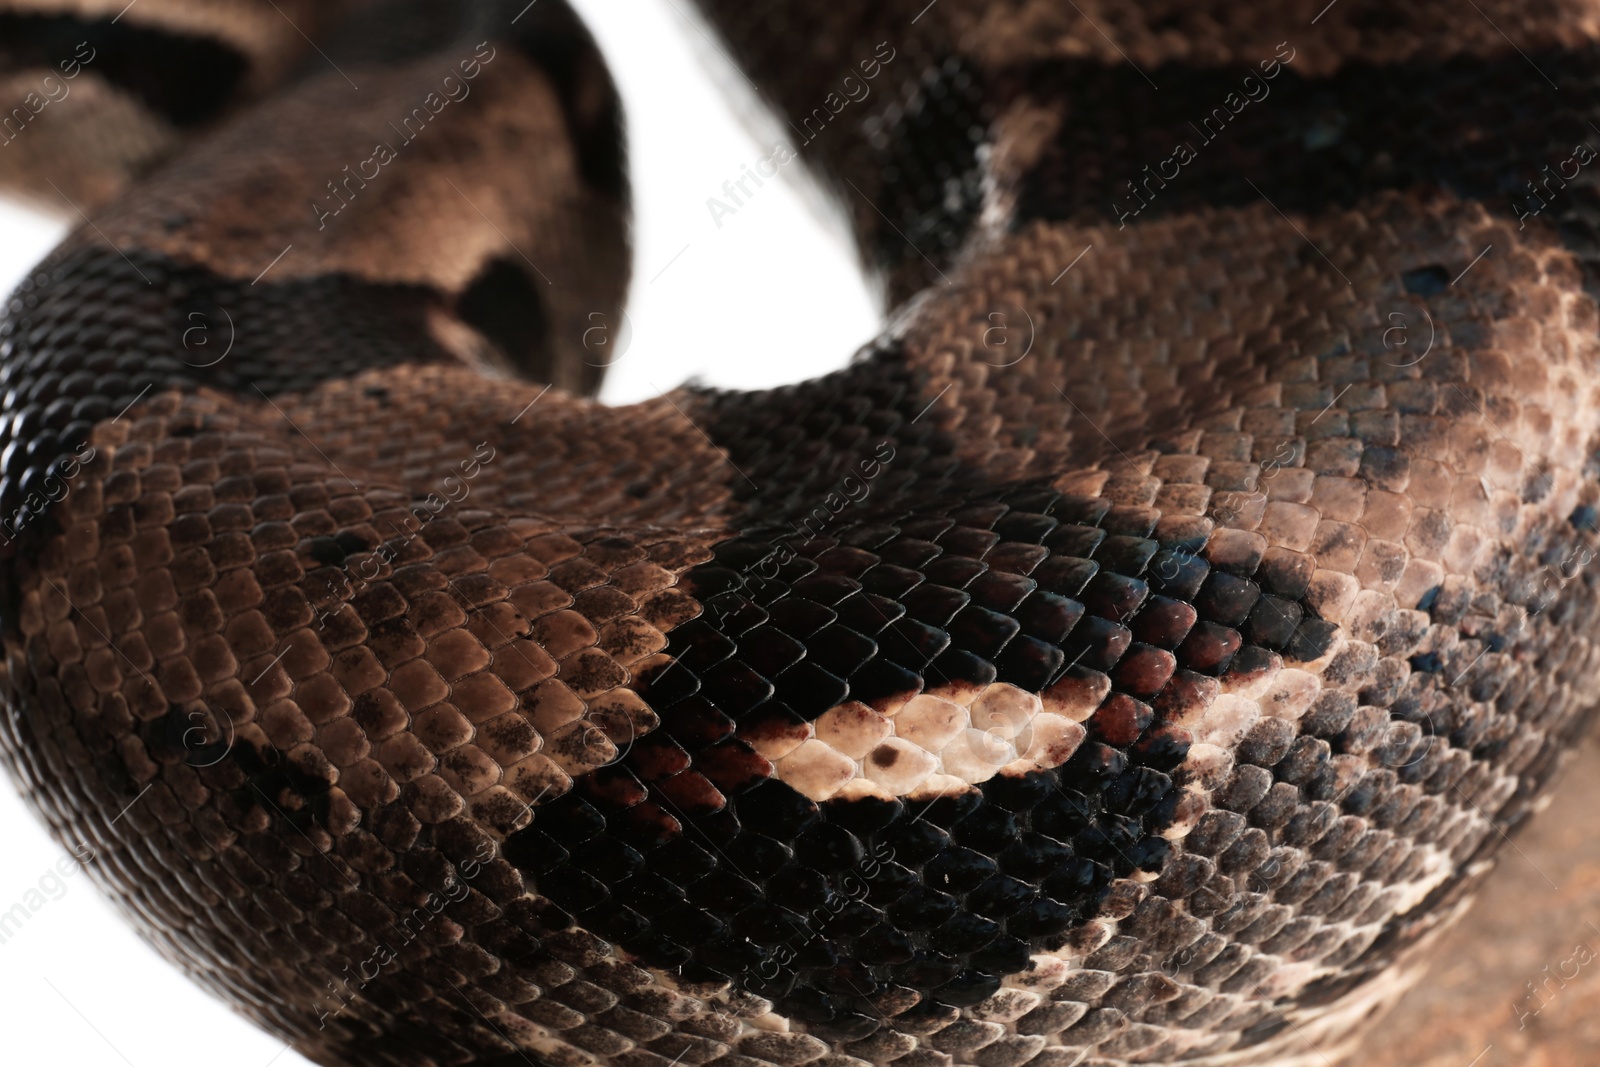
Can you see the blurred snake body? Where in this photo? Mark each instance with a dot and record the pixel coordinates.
(1137, 655)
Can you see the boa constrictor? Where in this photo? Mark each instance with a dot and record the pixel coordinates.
(1137, 655)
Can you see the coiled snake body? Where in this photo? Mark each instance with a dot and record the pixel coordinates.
(1136, 656)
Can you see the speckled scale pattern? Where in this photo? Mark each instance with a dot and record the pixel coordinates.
(187, 328)
(875, 612)
(1336, 513)
(1151, 688)
(1348, 532)
(217, 577)
(88, 357)
(623, 474)
(801, 443)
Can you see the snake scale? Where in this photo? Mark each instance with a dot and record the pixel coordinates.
(1137, 655)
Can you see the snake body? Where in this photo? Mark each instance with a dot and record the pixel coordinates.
(1137, 655)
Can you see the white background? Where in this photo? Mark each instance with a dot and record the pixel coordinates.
(771, 296)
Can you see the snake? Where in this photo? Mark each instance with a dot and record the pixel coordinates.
(1139, 653)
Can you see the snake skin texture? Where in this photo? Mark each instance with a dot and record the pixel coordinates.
(1138, 655)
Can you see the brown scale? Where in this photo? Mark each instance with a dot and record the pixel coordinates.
(623, 473)
(141, 84)
(391, 684)
(470, 680)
